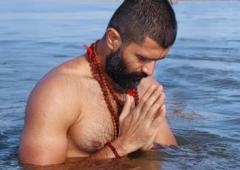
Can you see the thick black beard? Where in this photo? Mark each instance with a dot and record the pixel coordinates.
(116, 69)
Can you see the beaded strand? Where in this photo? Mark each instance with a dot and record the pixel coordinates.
(97, 73)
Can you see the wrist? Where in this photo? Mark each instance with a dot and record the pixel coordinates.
(121, 147)
(113, 149)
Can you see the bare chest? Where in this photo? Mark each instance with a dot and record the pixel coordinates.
(94, 127)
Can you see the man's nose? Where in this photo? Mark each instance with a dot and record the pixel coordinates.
(149, 68)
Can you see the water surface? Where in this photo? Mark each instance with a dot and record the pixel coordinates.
(201, 77)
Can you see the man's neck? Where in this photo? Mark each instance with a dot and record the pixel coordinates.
(101, 53)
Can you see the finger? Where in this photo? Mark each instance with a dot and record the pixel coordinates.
(155, 110)
(126, 108)
(163, 111)
(152, 100)
(157, 121)
(132, 103)
(146, 95)
(137, 110)
(149, 144)
(155, 128)
(148, 147)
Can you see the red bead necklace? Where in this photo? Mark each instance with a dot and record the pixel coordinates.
(107, 89)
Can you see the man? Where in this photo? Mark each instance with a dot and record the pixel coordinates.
(106, 103)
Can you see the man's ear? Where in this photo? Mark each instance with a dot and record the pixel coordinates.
(113, 39)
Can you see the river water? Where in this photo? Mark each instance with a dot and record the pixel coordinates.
(201, 76)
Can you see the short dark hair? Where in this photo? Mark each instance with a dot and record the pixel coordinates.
(136, 19)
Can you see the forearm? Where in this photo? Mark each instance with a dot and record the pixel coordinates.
(165, 135)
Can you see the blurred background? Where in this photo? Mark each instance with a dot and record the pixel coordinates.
(201, 76)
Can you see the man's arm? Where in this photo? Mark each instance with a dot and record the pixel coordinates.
(47, 118)
(165, 135)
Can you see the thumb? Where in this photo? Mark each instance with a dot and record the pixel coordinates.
(126, 108)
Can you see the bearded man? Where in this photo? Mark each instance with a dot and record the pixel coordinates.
(105, 103)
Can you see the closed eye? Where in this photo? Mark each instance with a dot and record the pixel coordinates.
(143, 59)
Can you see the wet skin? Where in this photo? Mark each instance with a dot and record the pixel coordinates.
(66, 115)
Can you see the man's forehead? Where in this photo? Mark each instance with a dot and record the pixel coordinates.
(149, 48)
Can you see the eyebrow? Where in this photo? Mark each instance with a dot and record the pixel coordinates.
(149, 58)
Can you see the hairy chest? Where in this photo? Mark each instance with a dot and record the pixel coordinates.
(94, 127)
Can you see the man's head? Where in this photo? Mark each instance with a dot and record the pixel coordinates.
(139, 33)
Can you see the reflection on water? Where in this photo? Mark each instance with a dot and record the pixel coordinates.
(200, 76)
(125, 163)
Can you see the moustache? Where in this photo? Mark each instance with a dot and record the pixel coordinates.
(135, 76)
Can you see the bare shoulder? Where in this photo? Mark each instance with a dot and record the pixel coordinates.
(56, 93)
